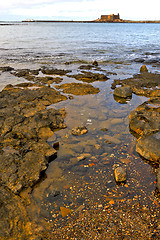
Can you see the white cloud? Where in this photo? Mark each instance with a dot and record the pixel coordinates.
(84, 9)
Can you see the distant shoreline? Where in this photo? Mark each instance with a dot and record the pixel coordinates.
(72, 21)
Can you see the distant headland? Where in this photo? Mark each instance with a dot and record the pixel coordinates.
(112, 18)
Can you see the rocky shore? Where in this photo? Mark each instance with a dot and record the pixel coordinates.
(28, 122)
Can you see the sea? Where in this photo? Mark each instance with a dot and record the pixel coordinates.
(120, 50)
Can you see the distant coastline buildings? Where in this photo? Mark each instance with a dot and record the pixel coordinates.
(109, 18)
(112, 18)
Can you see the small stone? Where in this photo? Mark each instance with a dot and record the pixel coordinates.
(120, 174)
(95, 63)
(51, 155)
(56, 145)
(79, 131)
(65, 211)
(81, 158)
(104, 129)
(143, 69)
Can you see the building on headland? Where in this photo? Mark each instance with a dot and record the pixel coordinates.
(109, 18)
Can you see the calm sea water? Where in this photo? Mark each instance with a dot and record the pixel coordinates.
(61, 42)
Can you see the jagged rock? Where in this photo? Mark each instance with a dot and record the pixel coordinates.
(145, 119)
(120, 174)
(145, 84)
(79, 131)
(123, 92)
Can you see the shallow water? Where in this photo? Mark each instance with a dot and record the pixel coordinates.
(108, 143)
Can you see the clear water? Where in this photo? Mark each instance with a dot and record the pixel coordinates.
(115, 47)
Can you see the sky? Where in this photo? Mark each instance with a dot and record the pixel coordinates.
(17, 10)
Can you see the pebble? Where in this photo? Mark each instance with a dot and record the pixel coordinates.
(120, 174)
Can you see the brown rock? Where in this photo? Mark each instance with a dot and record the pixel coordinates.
(65, 211)
(79, 131)
(143, 69)
(123, 92)
(120, 174)
(149, 147)
(78, 88)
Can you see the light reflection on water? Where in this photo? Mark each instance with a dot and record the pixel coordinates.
(107, 144)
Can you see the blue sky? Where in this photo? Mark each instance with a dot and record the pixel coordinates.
(78, 9)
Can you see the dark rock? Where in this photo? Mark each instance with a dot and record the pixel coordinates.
(139, 60)
(145, 84)
(86, 67)
(123, 92)
(122, 100)
(79, 131)
(6, 69)
(52, 71)
(145, 119)
(21, 72)
(78, 88)
(120, 174)
(90, 77)
(56, 145)
(50, 155)
(48, 80)
(95, 63)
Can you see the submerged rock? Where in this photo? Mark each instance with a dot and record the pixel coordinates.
(90, 77)
(123, 92)
(79, 131)
(78, 88)
(120, 174)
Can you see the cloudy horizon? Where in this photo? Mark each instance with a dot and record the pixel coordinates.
(78, 10)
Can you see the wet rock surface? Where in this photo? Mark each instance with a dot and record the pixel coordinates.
(123, 92)
(79, 131)
(25, 125)
(145, 84)
(78, 88)
(89, 204)
(149, 147)
(145, 119)
(145, 125)
(90, 77)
